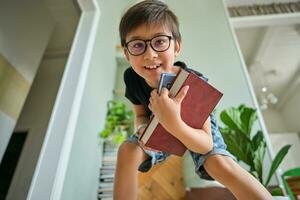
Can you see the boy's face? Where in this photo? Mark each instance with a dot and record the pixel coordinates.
(151, 63)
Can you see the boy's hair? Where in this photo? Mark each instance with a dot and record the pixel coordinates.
(148, 12)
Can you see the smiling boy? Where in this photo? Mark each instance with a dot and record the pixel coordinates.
(151, 40)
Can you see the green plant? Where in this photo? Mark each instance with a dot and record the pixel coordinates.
(247, 147)
(119, 122)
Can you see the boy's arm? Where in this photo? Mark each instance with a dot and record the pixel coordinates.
(141, 117)
(197, 140)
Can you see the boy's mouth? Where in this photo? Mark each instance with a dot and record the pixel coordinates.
(152, 67)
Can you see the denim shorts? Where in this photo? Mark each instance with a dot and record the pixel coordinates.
(219, 147)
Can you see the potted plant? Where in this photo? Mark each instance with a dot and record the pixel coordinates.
(119, 122)
(248, 147)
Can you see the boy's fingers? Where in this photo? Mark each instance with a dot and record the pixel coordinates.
(154, 93)
(149, 106)
(164, 92)
(180, 96)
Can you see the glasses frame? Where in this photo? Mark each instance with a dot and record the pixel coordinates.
(146, 44)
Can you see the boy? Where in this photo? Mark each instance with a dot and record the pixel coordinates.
(151, 40)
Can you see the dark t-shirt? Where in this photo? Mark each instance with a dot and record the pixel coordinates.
(138, 91)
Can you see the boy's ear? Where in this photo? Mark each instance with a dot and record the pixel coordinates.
(177, 48)
(126, 54)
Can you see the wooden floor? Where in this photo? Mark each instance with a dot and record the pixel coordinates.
(164, 181)
(294, 183)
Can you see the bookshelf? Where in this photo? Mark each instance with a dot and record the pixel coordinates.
(107, 171)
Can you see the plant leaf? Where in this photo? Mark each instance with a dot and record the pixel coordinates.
(276, 162)
(277, 192)
(231, 118)
(118, 118)
(248, 117)
(241, 107)
(119, 138)
(238, 144)
(259, 155)
(105, 133)
(257, 139)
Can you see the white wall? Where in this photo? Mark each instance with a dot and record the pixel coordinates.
(274, 121)
(35, 117)
(291, 111)
(25, 28)
(209, 47)
(292, 159)
(24, 25)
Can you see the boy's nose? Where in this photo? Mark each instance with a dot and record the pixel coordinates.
(150, 53)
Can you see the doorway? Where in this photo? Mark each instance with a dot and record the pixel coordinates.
(10, 161)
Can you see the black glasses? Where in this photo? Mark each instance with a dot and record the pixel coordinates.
(158, 43)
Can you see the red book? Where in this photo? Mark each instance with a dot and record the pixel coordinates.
(196, 107)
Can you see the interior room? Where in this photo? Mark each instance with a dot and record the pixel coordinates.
(56, 82)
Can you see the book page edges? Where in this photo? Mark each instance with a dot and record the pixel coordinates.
(178, 83)
(149, 130)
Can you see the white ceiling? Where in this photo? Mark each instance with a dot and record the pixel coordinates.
(272, 55)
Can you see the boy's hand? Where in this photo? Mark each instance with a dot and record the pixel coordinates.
(141, 130)
(167, 109)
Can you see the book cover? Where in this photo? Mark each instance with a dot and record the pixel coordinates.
(166, 81)
(196, 107)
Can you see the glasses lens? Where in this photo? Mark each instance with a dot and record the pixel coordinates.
(160, 43)
(136, 47)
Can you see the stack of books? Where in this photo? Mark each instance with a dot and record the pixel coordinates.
(107, 171)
